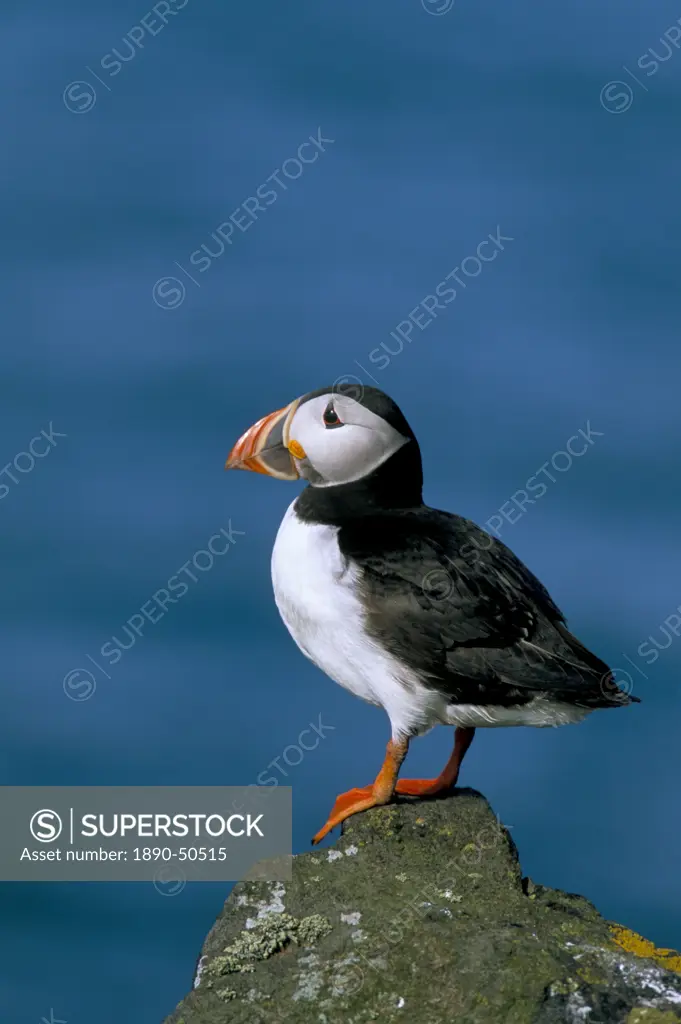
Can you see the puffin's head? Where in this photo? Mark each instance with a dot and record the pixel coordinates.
(326, 437)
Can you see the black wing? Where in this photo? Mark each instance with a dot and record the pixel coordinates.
(460, 609)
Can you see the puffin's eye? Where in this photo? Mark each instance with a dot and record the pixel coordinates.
(330, 417)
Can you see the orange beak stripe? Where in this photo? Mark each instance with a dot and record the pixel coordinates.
(266, 437)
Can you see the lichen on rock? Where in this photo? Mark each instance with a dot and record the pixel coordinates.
(450, 931)
(268, 936)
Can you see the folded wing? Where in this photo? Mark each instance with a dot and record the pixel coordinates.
(463, 612)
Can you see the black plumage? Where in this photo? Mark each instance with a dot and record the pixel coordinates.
(448, 600)
(463, 612)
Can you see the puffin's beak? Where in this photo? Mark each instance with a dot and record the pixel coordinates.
(264, 446)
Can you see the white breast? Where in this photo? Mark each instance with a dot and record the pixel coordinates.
(316, 594)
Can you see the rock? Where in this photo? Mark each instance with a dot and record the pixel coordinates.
(420, 915)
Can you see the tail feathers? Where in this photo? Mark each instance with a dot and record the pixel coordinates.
(614, 692)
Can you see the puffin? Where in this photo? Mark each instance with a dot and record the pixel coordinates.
(418, 611)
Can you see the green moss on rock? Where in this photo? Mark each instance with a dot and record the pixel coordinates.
(648, 1015)
(447, 930)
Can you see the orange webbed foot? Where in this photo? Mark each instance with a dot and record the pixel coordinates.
(422, 787)
(376, 795)
(347, 804)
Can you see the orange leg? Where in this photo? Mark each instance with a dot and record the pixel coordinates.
(381, 792)
(463, 737)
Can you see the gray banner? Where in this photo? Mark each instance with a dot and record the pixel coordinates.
(167, 835)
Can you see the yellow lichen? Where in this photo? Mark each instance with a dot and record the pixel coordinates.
(632, 942)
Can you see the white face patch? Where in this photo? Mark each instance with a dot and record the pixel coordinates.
(341, 454)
